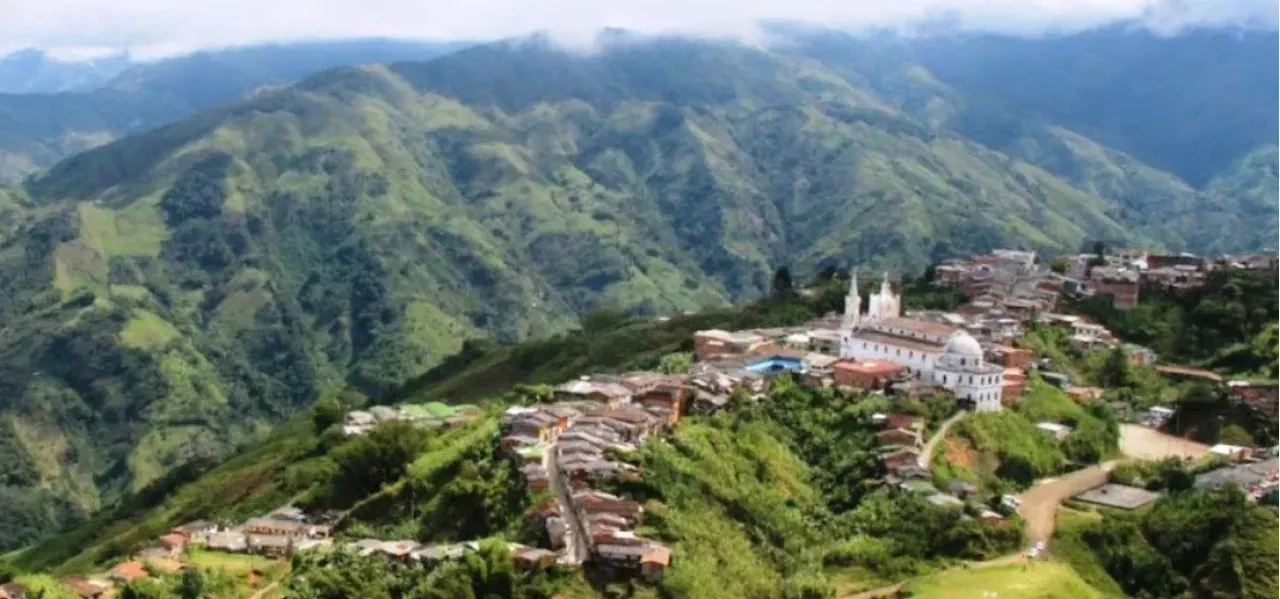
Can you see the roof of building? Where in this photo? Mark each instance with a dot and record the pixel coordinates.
(883, 338)
(1190, 372)
(914, 325)
(873, 367)
(129, 571)
(1119, 496)
(963, 344)
(657, 554)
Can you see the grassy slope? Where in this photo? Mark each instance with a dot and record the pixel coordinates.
(260, 477)
(1040, 580)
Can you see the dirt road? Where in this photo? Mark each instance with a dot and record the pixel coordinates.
(926, 454)
(1143, 443)
(1040, 503)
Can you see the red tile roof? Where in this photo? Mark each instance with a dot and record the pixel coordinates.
(129, 571)
(874, 367)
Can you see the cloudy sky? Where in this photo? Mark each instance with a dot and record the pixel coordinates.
(151, 28)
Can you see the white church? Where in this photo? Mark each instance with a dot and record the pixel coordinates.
(930, 351)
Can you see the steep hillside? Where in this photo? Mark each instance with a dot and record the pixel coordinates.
(173, 294)
(40, 125)
(1155, 202)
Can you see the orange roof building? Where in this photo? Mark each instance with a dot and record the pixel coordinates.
(868, 374)
(128, 571)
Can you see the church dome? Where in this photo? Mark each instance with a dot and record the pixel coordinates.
(963, 344)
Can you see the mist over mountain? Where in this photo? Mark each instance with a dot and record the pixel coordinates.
(32, 71)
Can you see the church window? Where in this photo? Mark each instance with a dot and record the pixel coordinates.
(897, 352)
(911, 354)
(962, 361)
(971, 379)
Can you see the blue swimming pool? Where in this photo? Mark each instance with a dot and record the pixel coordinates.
(776, 364)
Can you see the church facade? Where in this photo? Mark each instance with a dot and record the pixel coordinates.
(931, 351)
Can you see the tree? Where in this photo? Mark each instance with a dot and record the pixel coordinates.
(380, 457)
(676, 363)
(326, 413)
(1115, 371)
(1060, 264)
(782, 287)
(192, 585)
(1099, 254)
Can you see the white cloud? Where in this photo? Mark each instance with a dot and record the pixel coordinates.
(162, 27)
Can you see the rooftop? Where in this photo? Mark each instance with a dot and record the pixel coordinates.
(1118, 496)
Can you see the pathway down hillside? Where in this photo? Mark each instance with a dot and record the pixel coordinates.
(926, 454)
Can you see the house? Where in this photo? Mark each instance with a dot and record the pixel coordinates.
(228, 541)
(603, 392)
(596, 502)
(1059, 431)
(167, 566)
(269, 545)
(127, 572)
(272, 525)
(532, 557)
(1183, 373)
(900, 457)
(1084, 394)
(1234, 453)
(991, 518)
(1263, 396)
(714, 343)
(654, 562)
(898, 436)
(1014, 357)
(867, 374)
(86, 588)
(670, 398)
(196, 530)
(173, 542)
(962, 488)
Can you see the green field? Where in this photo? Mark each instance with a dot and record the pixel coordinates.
(1042, 580)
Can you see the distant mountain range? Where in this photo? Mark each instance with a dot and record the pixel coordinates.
(52, 109)
(32, 71)
(174, 292)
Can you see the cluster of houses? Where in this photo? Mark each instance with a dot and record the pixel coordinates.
(569, 446)
(427, 415)
(275, 534)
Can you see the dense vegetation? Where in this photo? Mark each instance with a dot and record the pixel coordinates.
(781, 498)
(1188, 544)
(1004, 451)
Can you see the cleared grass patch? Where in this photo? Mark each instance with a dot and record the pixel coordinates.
(147, 331)
(1040, 580)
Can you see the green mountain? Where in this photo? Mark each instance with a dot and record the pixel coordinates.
(175, 293)
(40, 125)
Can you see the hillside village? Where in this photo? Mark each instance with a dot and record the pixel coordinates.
(572, 442)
